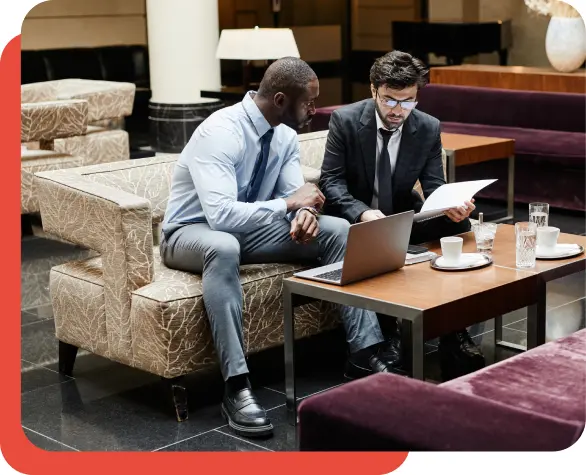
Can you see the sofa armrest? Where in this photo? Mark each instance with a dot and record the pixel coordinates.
(53, 120)
(390, 412)
(111, 221)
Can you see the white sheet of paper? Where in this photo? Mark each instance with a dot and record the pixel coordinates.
(450, 195)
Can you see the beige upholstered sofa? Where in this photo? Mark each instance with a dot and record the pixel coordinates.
(125, 304)
(58, 131)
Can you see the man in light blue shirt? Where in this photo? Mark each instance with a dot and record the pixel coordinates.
(238, 197)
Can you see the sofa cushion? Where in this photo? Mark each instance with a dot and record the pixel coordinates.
(544, 144)
(106, 99)
(548, 380)
(98, 145)
(33, 161)
(51, 120)
(311, 175)
(503, 107)
(170, 330)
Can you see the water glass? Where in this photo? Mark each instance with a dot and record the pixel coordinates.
(526, 242)
(539, 214)
(484, 234)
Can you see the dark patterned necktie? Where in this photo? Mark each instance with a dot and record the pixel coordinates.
(260, 167)
(385, 176)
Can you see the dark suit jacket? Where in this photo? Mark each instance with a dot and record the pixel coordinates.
(348, 170)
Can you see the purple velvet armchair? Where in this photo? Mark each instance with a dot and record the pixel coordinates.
(531, 402)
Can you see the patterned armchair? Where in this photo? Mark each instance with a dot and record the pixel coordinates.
(125, 305)
(58, 128)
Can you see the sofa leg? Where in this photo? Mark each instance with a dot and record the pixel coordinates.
(179, 397)
(67, 354)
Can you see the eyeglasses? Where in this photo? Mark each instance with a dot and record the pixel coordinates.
(406, 105)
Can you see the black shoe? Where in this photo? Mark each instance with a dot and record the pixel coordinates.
(391, 350)
(459, 355)
(360, 365)
(245, 415)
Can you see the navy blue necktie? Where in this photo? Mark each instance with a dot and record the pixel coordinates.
(385, 176)
(260, 167)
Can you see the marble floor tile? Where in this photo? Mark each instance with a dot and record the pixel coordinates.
(38, 342)
(37, 377)
(36, 314)
(82, 415)
(216, 441)
(283, 438)
(45, 443)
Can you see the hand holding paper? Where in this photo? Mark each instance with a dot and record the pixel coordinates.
(450, 195)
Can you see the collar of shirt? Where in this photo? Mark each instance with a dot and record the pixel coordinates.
(261, 124)
(380, 125)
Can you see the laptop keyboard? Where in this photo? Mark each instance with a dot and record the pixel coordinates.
(334, 275)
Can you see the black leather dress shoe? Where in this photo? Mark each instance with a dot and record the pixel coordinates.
(245, 415)
(459, 355)
(391, 351)
(359, 366)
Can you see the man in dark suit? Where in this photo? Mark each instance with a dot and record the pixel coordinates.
(376, 151)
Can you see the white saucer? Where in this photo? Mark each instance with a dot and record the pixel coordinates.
(467, 261)
(561, 251)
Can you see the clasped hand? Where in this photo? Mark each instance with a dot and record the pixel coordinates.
(305, 226)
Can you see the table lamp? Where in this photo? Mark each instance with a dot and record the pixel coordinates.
(256, 44)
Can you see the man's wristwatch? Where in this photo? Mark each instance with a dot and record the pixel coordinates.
(307, 208)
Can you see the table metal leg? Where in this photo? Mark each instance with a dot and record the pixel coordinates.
(289, 347)
(498, 330)
(451, 166)
(417, 353)
(536, 317)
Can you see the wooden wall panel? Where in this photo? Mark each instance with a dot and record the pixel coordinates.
(84, 23)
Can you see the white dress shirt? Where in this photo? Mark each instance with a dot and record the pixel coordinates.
(212, 173)
(393, 148)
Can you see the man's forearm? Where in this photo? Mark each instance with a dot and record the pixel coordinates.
(240, 217)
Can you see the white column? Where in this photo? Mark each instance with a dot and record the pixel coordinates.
(182, 40)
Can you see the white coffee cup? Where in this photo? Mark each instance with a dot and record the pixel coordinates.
(547, 236)
(451, 249)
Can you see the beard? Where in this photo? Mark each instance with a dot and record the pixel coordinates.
(388, 124)
(290, 120)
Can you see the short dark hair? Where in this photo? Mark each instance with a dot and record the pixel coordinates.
(288, 75)
(398, 70)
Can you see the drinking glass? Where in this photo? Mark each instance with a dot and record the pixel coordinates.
(539, 214)
(526, 241)
(484, 234)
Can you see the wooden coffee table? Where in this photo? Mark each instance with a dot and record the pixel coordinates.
(467, 149)
(435, 303)
(504, 256)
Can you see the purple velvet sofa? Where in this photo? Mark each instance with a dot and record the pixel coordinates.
(534, 401)
(549, 131)
(548, 128)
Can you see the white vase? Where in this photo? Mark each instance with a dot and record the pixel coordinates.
(565, 43)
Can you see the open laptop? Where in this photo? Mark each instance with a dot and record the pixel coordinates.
(373, 248)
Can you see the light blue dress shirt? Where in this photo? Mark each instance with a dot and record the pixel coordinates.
(212, 173)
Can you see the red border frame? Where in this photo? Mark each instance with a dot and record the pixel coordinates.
(21, 454)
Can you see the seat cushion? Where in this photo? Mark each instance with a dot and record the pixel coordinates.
(33, 161)
(548, 380)
(170, 329)
(542, 144)
(98, 145)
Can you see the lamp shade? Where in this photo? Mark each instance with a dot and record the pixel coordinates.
(257, 44)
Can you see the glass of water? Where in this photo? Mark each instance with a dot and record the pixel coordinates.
(526, 240)
(539, 214)
(484, 234)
